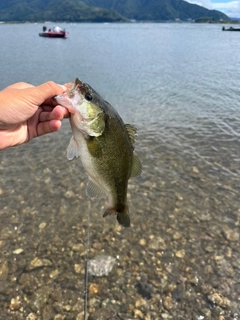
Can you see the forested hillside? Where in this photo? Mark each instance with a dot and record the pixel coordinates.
(103, 10)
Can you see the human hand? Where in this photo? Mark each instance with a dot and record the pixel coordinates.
(27, 112)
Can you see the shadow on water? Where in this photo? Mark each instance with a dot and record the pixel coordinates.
(180, 259)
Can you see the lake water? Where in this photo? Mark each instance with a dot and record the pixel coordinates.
(180, 85)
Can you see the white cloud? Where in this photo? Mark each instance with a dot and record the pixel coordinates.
(232, 8)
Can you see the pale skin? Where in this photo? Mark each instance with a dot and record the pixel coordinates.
(27, 112)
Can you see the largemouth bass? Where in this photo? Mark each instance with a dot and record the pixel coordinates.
(105, 146)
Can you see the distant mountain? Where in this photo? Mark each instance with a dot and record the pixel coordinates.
(55, 10)
(157, 9)
(103, 10)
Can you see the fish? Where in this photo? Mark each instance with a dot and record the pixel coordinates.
(105, 146)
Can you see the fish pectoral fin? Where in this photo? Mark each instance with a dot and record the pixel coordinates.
(136, 167)
(132, 132)
(73, 149)
(94, 191)
(94, 147)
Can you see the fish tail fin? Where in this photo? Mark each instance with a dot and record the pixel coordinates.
(122, 215)
(123, 218)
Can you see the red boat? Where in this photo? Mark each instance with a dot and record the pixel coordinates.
(56, 32)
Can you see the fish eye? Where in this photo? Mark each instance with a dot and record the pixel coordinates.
(88, 96)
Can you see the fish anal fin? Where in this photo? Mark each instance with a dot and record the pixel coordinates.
(73, 149)
(94, 191)
(136, 167)
(109, 212)
(132, 132)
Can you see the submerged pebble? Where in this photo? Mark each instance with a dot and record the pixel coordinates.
(14, 304)
(38, 263)
(219, 300)
(18, 251)
(100, 314)
(31, 316)
(3, 270)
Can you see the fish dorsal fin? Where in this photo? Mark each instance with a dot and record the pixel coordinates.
(94, 191)
(136, 167)
(132, 132)
(72, 149)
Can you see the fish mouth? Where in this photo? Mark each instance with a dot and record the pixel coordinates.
(72, 87)
(79, 86)
(65, 101)
(76, 90)
(77, 83)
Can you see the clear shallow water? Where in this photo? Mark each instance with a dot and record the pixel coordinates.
(179, 83)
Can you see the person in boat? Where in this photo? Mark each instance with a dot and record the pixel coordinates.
(28, 112)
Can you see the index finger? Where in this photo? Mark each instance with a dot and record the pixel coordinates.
(46, 91)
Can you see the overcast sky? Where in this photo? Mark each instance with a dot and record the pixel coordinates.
(231, 8)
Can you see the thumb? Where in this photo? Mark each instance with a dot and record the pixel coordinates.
(47, 90)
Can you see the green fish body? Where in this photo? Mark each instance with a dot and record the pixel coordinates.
(105, 146)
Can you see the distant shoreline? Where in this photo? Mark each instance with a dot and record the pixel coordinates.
(121, 22)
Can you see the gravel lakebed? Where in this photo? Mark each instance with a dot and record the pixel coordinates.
(180, 259)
